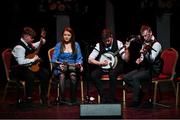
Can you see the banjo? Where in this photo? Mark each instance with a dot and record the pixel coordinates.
(111, 57)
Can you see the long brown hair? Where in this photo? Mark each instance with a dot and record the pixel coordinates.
(72, 40)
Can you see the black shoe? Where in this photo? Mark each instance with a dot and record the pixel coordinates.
(55, 101)
(63, 101)
(30, 103)
(19, 101)
(44, 100)
(26, 105)
(147, 104)
(135, 104)
(20, 104)
(74, 102)
(60, 101)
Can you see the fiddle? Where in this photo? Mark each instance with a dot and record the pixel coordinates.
(147, 47)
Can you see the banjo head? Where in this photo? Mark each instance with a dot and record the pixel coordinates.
(112, 60)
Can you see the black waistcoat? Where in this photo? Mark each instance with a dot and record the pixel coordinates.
(28, 50)
(113, 50)
(155, 67)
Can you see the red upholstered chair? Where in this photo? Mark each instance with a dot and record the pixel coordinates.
(119, 78)
(50, 53)
(170, 57)
(11, 81)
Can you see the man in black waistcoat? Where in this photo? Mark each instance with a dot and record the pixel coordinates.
(108, 55)
(149, 65)
(26, 64)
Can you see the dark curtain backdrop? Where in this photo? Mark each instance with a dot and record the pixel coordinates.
(87, 19)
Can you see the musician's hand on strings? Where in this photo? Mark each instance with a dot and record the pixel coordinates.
(138, 61)
(36, 58)
(104, 63)
(62, 67)
(143, 51)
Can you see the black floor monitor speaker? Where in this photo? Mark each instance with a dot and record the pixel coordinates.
(100, 111)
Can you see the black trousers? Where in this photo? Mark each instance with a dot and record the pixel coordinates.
(138, 78)
(113, 73)
(24, 73)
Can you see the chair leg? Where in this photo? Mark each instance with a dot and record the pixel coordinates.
(5, 92)
(49, 87)
(124, 93)
(24, 89)
(99, 99)
(177, 94)
(155, 93)
(174, 86)
(58, 88)
(124, 96)
(155, 96)
(82, 91)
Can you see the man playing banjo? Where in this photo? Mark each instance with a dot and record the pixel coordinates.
(108, 54)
